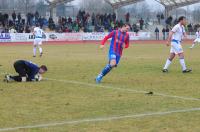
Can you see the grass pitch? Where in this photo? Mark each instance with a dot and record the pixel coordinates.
(72, 97)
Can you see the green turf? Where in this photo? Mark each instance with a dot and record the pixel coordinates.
(23, 104)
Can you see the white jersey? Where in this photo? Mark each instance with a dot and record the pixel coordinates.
(178, 31)
(198, 35)
(38, 32)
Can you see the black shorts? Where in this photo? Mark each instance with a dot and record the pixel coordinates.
(20, 68)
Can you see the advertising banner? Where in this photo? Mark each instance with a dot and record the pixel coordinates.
(51, 37)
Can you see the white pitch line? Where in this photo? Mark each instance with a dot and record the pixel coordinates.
(101, 119)
(124, 89)
(3, 73)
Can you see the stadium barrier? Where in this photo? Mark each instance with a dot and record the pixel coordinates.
(73, 37)
(51, 37)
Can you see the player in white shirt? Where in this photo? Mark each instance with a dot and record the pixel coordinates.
(175, 37)
(197, 40)
(38, 33)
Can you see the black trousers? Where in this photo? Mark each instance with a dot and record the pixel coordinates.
(20, 69)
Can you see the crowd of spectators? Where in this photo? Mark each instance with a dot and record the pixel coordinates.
(16, 24)
(83, 22)
(170, 22)
(86, 22)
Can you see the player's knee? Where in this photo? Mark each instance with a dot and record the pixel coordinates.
(113, 63)
(181, 56)
(171, 57)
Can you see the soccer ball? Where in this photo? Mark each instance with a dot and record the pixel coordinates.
(38, 77)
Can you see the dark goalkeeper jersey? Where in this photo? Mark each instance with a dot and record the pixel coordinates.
(31, 69)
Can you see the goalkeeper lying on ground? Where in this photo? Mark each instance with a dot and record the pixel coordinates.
(27, 72)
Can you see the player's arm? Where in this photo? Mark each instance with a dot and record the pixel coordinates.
(106, 38)
(33, 73)
(43, 33)
(197, 35)
(171, 34)
(34, 76)
(169, 38)
(31, 77)
(184, 33)
(34, 32)
(127, 42)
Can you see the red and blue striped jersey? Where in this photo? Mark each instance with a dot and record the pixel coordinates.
(118, 40)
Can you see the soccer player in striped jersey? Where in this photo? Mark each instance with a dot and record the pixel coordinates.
(197, 40)
(120, 40)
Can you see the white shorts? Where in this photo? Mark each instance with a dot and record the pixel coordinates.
(197, 40)
(37, 41)
(176, 48)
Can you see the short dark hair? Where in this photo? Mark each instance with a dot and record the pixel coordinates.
(181, 18)
(125, 24)
(43, 67)
(37, 25)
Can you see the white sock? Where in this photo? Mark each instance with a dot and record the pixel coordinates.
(40, 49)
(193, 45)
(182, 62)
(34, 51)
(23, 79)
(168, 62)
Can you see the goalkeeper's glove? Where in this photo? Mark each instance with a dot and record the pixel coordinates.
(38, 77)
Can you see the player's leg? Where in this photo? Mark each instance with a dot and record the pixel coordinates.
(182, 62)
(106, 70)
(113, 61)
(198, 41)
(169, 60)
(34, 47)
(19, 68)
(109, 67)
(179, 50)
(194, 43)
(40, 47)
